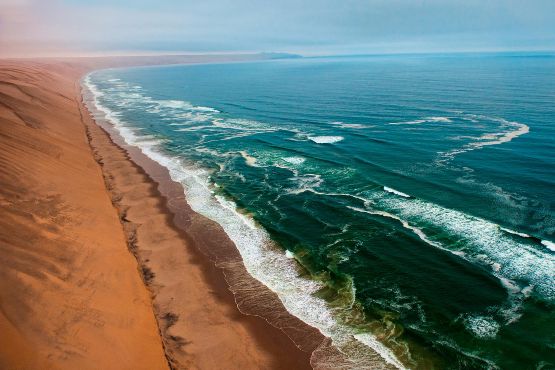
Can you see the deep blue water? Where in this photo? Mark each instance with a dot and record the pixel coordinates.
(419, 190)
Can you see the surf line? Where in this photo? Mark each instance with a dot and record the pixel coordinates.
(405, 224)
(265, 263)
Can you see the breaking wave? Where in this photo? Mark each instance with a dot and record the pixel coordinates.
(510, 258)
(325, 139)
(396, 192)
(262, 258)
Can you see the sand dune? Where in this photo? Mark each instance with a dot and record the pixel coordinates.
(94, 274)
(70, 293)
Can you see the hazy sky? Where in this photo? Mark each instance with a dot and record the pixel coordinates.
(304, 26)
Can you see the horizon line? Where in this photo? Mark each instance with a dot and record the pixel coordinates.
(138, 54)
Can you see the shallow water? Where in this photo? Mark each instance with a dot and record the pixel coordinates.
(418, 191)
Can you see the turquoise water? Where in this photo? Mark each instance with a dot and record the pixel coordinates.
(418, 191)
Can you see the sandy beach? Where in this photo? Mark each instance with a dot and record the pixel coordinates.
(280, 185)
(71, 295)
(103, 263)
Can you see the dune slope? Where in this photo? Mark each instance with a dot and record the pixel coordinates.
(71, 295)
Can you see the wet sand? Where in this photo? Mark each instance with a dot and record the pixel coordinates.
(103, 264)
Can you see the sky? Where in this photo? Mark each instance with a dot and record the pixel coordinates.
(308, 27)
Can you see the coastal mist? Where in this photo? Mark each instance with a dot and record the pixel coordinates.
(402, 205)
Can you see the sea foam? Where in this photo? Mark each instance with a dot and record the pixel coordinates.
(508, 131)
(294, 160)
(484, 327)
(423, 120)
(350, 125)
(549, 245)
(325, 139)
(515, 260)
(262, 258)
(523, 235)
(249, 160)
(397, 192)
(405, 224)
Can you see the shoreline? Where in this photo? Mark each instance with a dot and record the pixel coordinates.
(293, 343)
(72, 294)
(184, 172)
(252, 296)
(208, 309)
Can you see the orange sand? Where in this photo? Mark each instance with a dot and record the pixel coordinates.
(70, 293)
(93, 272)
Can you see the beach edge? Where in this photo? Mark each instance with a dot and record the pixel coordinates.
(265, 312)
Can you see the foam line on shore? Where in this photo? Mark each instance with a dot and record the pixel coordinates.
(264, 261)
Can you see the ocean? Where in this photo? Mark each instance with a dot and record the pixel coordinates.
(416, 192)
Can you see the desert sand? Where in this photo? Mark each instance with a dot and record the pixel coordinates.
(102, 263)
(70, 293)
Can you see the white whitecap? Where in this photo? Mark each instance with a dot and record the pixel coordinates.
(549, 245)
(523, 235)
(350, 125)
(484, 327)
(242, 125)
(206, 109)
(294, 160)
(397, 192)
(325, 139)
(422, 120)
(517, 260)
(405, 224)
(176, 104)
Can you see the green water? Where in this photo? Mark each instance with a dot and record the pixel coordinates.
(420, 190)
